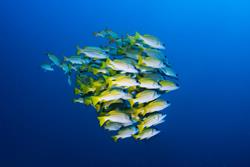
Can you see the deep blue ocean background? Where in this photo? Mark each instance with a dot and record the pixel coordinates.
(208, 123)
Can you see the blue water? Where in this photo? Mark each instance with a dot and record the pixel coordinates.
(208, 43)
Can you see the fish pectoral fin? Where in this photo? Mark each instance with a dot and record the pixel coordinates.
(104, 65)
(131, 102)
(102, 120)
(136, 137)
(69, 81)
(131, 88)
(140, 59)
(115, 138)
(140, 127)
(139, 111)
(78, 52)
(95, 100)
(137, 36)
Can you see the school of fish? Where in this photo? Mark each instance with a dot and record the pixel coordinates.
(123, 80)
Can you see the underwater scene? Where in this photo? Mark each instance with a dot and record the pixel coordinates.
(125, 83)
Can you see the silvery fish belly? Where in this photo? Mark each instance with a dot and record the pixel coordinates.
(146, 134)
(156, 105)
(125, 133)
(148, 83)
(112, 126)
(122, 80)
(92, 52)
(145, 96)
(120, 65)
(151, 120)
(125, 81)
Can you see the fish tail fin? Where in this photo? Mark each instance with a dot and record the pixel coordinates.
(96, 84)
(65, 58)
(112, 72)
(108, 61)
(69, 80)
(85, 89)
(140, 59)
(139, 111)
(103, 65)
(137, 35)
(131, 102)
(145, 111)
(95, 100)
(115, 138)
(102, 120)
(136, 137)
(95, 71)
(98, 107)
(83, 67)
(87, 101)
(131, 39)
(106, 78)
(136, 112)
(70, 66)
(131, 88)
(77, 91)
(78, 51)
(120, 51)
(91, 80)
(136, 118)
(140, 127)
(110, 83)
